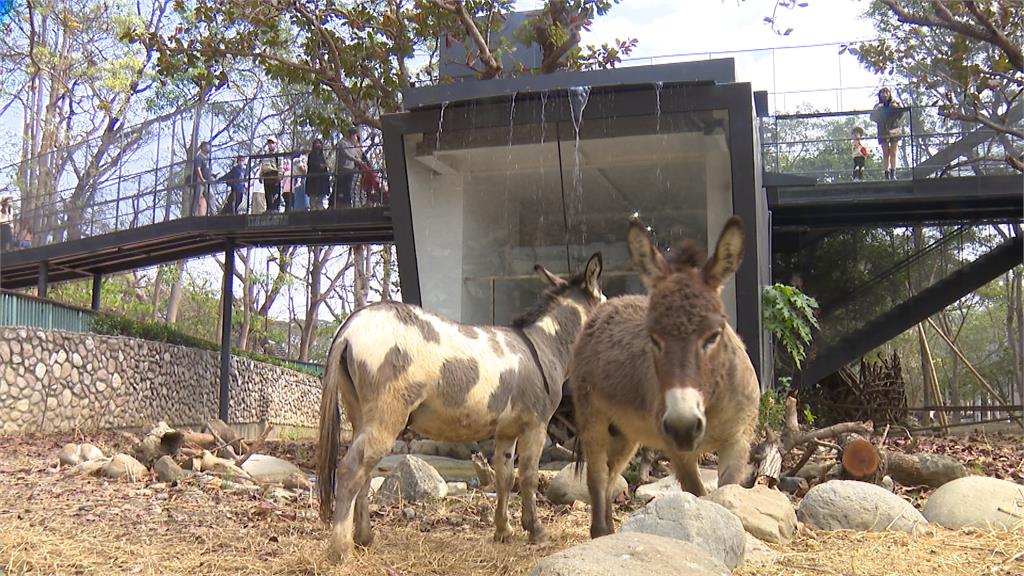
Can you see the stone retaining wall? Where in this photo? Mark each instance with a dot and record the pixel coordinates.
(52, 381)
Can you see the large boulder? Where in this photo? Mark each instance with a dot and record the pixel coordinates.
(269, 469)
(852, 505)
(977, 501)
(630, 554)
(412, 480)
(567, 486)
(669, 485)
(124, 466)
(764, 512)
(757, 553)
(87, 453)
(685, 517)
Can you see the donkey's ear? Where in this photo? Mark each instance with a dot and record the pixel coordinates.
(549, 277)
(645, 255)
(592, 274)
(728, 254)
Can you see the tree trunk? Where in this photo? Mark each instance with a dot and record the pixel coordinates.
(360, 285)
(922, 469)
(158, 286)
(317, 260)
(174, 301)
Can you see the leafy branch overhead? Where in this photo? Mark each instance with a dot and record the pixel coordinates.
(788, 314)
(357, 57)
(966, 55)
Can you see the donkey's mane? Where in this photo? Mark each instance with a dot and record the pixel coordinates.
(547, 298)
(687, 254)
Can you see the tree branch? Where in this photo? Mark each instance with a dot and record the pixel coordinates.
(492, 66)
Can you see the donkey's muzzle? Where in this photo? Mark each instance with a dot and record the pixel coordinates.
(684, 430)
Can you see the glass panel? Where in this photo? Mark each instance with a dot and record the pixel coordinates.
(488, 203)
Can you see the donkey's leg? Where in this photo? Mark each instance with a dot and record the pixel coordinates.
(687, 473)
(595, 439)
(733, 463)
(504, 454)
(620, 451)
(531, 444)
(364, 534)
(373, 442)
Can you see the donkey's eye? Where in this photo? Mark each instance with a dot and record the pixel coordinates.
(658, 345)
(710, 341)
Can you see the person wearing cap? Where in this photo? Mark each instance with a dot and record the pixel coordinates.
(270, 176)
(6, 218)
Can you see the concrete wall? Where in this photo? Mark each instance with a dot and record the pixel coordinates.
(52, 380)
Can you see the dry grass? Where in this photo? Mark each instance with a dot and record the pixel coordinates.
(55, 525)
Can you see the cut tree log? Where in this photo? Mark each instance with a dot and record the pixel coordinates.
(769, 456)
(922, 469)
(860, 459)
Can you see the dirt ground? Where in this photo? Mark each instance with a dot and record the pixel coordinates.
(50, 524)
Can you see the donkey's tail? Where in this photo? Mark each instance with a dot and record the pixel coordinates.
(336, 376)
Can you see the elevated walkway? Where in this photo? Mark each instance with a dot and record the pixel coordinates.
(188, 237)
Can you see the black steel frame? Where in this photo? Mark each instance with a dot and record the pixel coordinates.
(604, 102)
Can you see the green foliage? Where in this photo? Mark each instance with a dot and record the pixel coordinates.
(788, 314)
(771, 412)
(114, 325)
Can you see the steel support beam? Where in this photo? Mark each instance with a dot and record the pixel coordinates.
(225, 330)
(42, 279)
(97, 287)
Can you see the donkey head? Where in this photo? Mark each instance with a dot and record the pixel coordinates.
(685, 319)
(580, 293)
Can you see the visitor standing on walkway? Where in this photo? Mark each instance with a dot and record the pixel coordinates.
(348, 155)
(235, 179)
(318, 179)
(860, 152)
(201, 197)
(270, 176)
(886, 116)
(6, 222)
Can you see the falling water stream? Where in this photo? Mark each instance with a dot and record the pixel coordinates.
(440, 127)
(578, 98)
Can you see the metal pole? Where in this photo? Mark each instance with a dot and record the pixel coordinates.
(97, 286)
(225, 331)
(44, 272)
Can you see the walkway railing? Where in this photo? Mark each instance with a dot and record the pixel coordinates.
(165, 193)
(819, 145)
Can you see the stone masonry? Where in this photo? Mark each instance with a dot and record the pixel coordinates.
(53, 381)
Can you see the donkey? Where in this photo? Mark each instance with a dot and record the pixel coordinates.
(665, 370)
(394, 365)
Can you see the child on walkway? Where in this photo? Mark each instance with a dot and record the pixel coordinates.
(860, 153)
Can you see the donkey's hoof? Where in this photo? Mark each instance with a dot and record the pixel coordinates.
(598, 531)
(538, 536)
(503, 535)
(364, 540)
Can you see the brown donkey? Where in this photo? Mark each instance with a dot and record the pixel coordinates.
(666, 371)
(393, 365)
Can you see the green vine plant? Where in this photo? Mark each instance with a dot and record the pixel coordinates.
(788, 314)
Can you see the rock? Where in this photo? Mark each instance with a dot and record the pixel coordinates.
(124, 466)
(412, 480)
(758, 553)
(167, 470)
(408, 513)
(669, 485)
(567, 487)
(457, 488)
(792, 484)
(765, 513)
(853, 505)
(88, 452)
(69, 455)
(88, 468)
(221, 467)
(450, 469)
(630, 554)
(269, 469)
(685, 517)
(977, 501)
